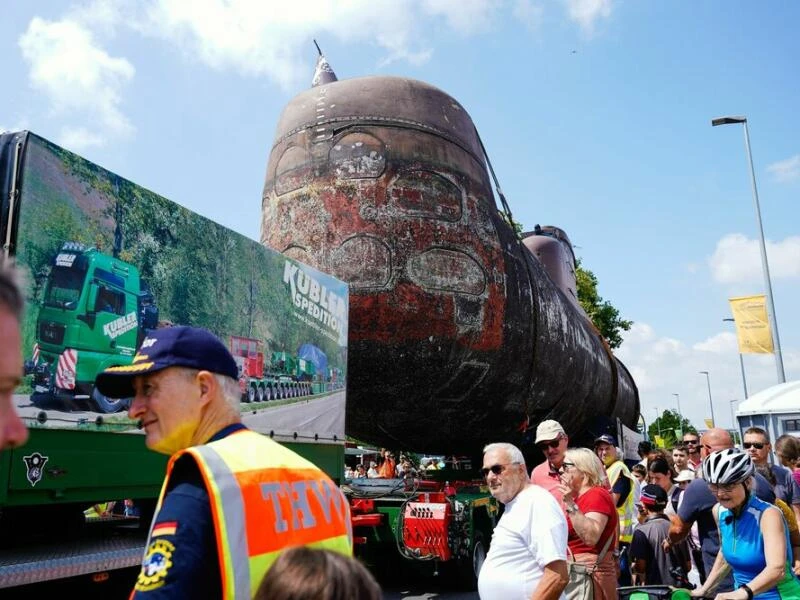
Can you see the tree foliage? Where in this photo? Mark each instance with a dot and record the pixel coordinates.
(670, 426)
(603, 314)
(199, 272)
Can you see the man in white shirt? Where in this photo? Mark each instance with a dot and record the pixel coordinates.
(528, 553)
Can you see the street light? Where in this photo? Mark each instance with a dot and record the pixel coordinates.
(741, 364)
(658, 421)
(773, 323)
(710, 402)
(733, 418)
(735, 425)
(680, 415)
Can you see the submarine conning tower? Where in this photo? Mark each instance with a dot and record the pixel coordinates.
(457, 335)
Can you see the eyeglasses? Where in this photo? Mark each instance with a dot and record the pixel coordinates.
(756, 445)
(496, 469)
(551, 444)
(564, 466)
(725, 489)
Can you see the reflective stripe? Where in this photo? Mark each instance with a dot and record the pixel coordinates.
(231, 521)
(626, 512)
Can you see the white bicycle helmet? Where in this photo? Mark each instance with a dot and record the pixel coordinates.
(728, 466)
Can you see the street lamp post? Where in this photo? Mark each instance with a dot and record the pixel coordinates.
(680, 414)
(741, 364)
(710, 402)
(734, 424)
(658, 421)
(764, 263)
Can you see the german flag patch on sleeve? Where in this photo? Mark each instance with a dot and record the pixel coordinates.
(164, 528)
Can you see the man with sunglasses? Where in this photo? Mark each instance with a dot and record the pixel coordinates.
(528, 554)
(552, 440)
(757, 445)
(697, 503)
(692, 443)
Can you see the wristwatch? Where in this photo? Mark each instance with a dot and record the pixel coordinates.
(571, 508)
(747, 590)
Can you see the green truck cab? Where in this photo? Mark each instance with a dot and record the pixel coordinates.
(95, 311)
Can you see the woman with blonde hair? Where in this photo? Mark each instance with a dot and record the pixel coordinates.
(592, 519)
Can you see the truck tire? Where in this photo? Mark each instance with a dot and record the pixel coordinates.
(464, 573)
(261, 393)
(268, 394)
(104, 404)
(251, 393)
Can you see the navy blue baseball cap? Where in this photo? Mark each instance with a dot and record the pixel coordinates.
(189, 347)
(654, 496)
(605, 439)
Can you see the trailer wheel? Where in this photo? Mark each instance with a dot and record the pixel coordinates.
(104, 404)
(261, 394)
(464, 573)
(268, 392)
(251, 393)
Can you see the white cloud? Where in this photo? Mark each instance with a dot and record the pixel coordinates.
(787, 170)
(586, 13)
(530, 13)
(737, 259)
(78, 77)
(79, 138)
(663, 366)
(255, 39)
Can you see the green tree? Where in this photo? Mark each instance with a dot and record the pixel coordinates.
(670, 426)
(603, 314)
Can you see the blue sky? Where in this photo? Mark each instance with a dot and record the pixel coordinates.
(595, 113)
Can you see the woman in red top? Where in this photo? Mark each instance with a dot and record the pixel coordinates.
(591, 517)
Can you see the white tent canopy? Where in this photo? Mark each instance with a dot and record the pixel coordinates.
(781, 398)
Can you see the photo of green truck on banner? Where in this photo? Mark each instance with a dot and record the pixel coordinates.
(108, 261)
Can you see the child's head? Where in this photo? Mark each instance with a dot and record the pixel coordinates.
(640, 472)
(302, 573)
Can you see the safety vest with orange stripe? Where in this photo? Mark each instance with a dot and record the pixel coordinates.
(265, 498)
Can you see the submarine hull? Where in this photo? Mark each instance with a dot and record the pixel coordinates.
(457, 335)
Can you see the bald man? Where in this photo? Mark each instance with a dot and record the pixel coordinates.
(697, 504)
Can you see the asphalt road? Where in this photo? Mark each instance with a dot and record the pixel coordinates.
(323, 415)
(119, 587)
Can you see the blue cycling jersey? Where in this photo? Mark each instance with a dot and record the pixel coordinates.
(743, 549)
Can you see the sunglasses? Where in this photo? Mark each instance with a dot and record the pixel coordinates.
(756, 445)
(692, 442)
(551, 444)
(725, 489)
(564, 466)
(496, 469)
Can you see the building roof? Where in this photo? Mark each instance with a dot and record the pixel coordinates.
(781, 398)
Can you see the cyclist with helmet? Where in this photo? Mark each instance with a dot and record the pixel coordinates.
(753, 534)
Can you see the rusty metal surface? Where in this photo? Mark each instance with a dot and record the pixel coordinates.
(457, 335)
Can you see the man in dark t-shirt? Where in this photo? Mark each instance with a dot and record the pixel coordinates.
(651, 565)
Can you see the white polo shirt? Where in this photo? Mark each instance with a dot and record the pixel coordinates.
(531, 534)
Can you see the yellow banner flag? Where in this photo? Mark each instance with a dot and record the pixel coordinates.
(709, 423)
(752, 324)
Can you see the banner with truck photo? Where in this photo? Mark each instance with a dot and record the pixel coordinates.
(107, 261)
(752, 324)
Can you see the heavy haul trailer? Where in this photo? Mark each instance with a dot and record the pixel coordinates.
(475, 329)
(88, 241)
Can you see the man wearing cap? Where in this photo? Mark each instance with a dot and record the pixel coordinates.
(651, 565)
(622, 490)
(552, 440)
(232, 499)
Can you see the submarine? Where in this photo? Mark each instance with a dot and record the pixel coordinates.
(462, 331)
